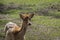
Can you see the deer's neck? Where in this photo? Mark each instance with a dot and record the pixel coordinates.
(24, 27)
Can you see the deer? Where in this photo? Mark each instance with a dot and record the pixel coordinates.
(15, 32)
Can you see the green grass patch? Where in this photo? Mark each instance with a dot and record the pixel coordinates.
(43, 27)
(3, 22)
(46, 20)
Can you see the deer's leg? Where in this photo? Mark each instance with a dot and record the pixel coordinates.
(9, 36)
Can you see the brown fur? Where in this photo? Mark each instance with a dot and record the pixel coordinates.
(17, 32)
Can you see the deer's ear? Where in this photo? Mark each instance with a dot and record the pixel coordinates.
(21, 16)
(31, 15)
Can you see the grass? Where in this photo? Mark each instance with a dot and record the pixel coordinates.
(47, 20)
(3, 21)
(43, 27)
(38, 4)
(30, 1)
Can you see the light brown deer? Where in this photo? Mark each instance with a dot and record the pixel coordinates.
(16, 32)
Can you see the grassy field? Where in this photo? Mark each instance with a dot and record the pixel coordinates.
(43, 27)
(35, 4)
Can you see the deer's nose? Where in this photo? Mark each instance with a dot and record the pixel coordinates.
(29, 23)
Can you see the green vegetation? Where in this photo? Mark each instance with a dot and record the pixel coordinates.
(38, 3)
(44, 27)
(47, 21)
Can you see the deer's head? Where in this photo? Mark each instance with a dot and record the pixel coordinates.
(26, 17)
